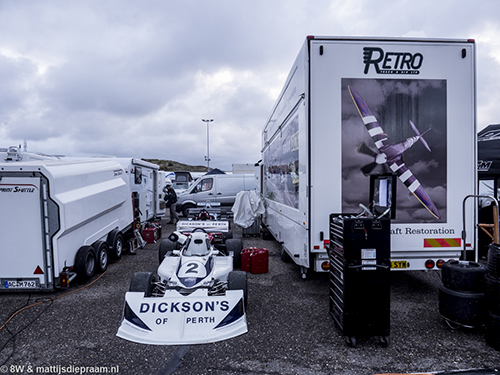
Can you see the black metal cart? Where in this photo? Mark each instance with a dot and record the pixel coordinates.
(359, 276)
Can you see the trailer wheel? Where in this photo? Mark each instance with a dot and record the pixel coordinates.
(142, 282)
(101, 249)
(85, 263)
(115, 243)
(237, 280)
(166, 248)
(235, 245)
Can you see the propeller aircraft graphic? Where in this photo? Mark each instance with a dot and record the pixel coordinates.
(391, 154)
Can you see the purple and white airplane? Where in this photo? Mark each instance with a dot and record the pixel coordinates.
(390, 154)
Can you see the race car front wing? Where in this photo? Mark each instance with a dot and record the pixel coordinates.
(175, 319)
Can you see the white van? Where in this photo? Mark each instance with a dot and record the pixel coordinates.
(220, 188)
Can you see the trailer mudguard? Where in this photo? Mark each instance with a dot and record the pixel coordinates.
(176, 319)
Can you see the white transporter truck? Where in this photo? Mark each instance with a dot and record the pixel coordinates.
(61, 219)
(354, 109)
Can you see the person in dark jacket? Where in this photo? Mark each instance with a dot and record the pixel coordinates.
(170, 200)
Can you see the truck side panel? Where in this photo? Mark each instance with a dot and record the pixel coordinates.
(417, 98)
(285, 170)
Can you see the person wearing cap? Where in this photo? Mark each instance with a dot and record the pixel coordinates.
(170, 200)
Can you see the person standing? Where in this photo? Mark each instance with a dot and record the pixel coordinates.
(170, 200)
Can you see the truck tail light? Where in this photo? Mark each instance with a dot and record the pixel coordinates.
(63, 279)
(325, 266)
(429, 264)
(440, 263)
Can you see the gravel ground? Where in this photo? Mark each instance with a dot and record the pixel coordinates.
(289, 329)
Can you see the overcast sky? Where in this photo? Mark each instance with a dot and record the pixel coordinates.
(135, 78)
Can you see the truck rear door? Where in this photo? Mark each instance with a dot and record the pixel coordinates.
(25, 247)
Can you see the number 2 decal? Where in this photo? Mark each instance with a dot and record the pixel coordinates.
(192, 268)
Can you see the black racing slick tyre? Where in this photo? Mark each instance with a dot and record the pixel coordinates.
(142, 282)
(465, 276)
(166, 248)
(493, 294)
(101, 249)
(493, 330)
(227, 236)
(494, 260)
(85, 263)
(467, 309)
(237, 280)
(116, 244)
(235, 245)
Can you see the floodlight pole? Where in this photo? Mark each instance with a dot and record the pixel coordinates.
(208, 143)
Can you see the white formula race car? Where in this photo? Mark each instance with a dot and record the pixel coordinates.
(195, 298)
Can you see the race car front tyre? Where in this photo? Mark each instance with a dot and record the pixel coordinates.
(237, 280)
(142, 282)
(235, 246)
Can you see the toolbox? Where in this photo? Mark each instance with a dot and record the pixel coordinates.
(150, 234)
(158, 226)
(359, 276)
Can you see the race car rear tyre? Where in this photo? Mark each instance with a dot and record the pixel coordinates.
(85, 263)
(237, 280)
(166, 248)
(235, 245)
(142, 282)
(115, 243)
(101, 249)
(227, 235)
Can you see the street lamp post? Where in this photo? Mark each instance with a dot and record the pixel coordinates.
(208, 144)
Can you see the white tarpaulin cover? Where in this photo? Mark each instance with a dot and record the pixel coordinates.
(247, 206)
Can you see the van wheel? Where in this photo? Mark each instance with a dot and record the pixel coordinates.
(115, 243)
(185, 209)
(101, 249)
(85, 263)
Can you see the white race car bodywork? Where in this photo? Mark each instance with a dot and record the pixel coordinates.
(196, 298)
(182, 320)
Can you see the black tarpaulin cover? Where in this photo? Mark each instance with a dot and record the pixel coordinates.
(488, 151)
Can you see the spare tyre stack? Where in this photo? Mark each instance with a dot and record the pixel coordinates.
(493, 297)
(462, 295)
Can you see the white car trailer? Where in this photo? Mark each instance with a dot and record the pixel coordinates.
(146, 183)
(61, 219)
(349, 109)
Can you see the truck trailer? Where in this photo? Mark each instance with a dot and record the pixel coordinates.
(61, 220)
(386, 124)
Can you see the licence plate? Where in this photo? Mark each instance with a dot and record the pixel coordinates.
(23, 284)
(399, 264)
